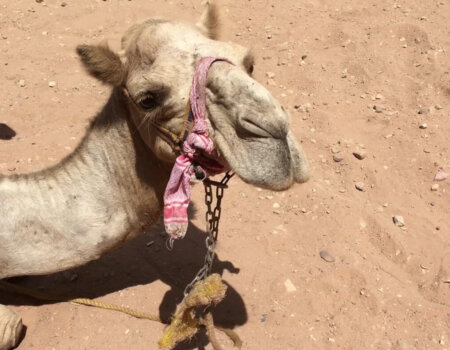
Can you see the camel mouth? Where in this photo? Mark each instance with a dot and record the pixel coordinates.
(254, 161)
(212, 163)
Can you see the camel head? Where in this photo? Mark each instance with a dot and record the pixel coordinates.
(249, 127)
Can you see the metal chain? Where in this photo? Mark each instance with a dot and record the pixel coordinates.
(212, 226)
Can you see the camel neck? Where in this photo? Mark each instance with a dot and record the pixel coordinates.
(106, 192)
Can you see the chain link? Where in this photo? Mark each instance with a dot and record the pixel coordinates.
(212, 217)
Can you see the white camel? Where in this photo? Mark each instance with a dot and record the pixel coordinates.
(111, 187)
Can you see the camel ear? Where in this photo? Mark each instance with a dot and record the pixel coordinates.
(209, 23)
(102, 63)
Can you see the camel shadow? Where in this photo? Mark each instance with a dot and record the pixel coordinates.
(6, 133)
(141, 261)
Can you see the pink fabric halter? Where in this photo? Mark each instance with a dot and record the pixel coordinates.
(197, 144)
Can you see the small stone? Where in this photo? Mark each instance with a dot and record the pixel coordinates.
(360, 186)
(39, 1)
(326, 256)
(423, 110)
(337, 159)
(360, 154)
(434, 187)
(21, 83)
(379, 97)
(63, 4)
(290, 288)
(270, 75)
(440, 176)
(398, 220)
(379, 108)
(52, 83)
(276, 206)
(335, 149)
(423, 126)
(438, 107)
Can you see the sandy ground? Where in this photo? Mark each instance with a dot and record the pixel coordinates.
(356, 76)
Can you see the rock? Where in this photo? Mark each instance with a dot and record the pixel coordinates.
(21, 83)
(63, 4)
(290, 288)
(10, 328)
(270, 75)
(440, 176)
(438, 107)
(434, 187)
(337, 159)
(276, 206)
(335, 149)
(423, 110)
(379, 108)
(52, 83)
(423, 126)
(326, 256)
(379, 97)
(39, 1)
(398, 220)
(360, 154)
(360, 186)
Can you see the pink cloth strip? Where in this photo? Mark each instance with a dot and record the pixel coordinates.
(178, 191)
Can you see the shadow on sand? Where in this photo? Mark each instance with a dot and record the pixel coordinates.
(141, 262)
(6, 133)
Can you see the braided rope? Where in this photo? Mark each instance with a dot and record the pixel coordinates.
(81, 301)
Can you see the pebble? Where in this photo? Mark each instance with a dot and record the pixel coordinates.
(434, 187)
(438, 107)
(360, 186)
(379, 108)
(337, 159)
(276, 206)
(64, 4)
(423, 110)
(326, 256)
(359, 154)
(440, 176)
(398, 220)
(335, 149)
(52, 83)
(270, 75)
(379, 97)
(290, 288)
(21, 83)
(423, 126)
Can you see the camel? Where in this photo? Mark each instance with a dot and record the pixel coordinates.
(111, 187)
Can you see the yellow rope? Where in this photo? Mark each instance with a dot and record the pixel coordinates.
(82, 301)
(183, 325)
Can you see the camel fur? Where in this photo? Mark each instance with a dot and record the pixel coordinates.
(111, 187)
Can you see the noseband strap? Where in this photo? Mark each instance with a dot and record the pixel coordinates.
(192, 160)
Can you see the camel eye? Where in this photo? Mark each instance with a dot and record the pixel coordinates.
(148, 102)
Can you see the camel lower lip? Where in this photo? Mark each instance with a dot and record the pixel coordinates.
(211, 163)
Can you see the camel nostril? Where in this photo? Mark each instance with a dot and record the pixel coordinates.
(261, 129)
